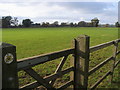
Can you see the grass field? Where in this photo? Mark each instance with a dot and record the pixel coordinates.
(35, 41)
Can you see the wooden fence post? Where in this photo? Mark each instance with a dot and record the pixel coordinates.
(81, 62)
(9, 66)
(114, 60)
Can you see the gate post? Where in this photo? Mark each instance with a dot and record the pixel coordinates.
(81, 62)
(9, 66)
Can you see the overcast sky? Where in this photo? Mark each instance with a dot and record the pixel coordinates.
(63, 11)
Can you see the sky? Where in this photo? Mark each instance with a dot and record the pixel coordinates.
(63, 10)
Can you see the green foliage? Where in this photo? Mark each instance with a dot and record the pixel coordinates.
(6, 21)
(117, 24)
(95, 22)
(27, 22)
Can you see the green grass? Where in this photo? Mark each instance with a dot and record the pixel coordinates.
(35, 41)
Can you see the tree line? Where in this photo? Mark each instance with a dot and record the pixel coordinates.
(9, 21)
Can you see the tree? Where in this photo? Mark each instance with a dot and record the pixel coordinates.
(27, 22)
(55, 23)
(6, 21)
(71, 24)
(95, 22)
(64, 24)
(82, 24)
(107, 25)
(45, 24)
(117, 24)
(14, 21)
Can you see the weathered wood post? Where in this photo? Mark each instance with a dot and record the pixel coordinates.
(81, 62)
(9, 66)
(114, 60)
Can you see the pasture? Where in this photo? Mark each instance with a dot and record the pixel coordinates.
(36, 41)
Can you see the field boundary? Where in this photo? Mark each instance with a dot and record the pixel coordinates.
(79, 69)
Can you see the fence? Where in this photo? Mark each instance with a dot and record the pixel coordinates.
(79, 65)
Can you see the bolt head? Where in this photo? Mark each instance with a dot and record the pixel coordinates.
(8, 58)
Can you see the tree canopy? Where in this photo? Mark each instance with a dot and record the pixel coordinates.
(9, 21)
(95, 22)
(6, 21)
(27, 22)
(117, 24)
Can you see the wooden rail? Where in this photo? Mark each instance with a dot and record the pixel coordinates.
(48, 78)
(35, 60)
(79, 71)
(99, 65)
(115, 63)
(101, 46)
(100, 80)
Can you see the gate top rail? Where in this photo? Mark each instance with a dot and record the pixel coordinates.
(35, 60)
